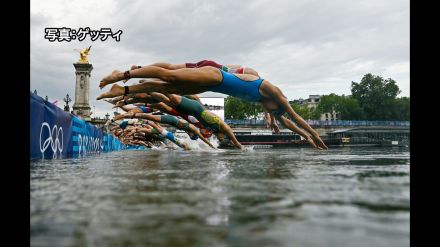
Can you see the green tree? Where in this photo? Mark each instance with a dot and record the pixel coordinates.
(327, 104)
(350, 109)
(401, 109)
(376, 96)
(236, 108)
(304, 111)
(347, 107)
(252, 109)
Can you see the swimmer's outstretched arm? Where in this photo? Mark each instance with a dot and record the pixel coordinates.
(273, 124)
(298, 119)
(290, 125)
(225, 128)
(317, 139)
(268, 119)
(147, 144)
(150, 144)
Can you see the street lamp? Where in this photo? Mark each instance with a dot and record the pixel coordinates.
(67, 100)
(107, 116)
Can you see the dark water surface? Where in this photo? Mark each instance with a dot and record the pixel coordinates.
(268, 197)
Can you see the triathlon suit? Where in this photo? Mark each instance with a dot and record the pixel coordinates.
(145, 109)
(211, 63)
(234, 86)
(187, 118)
(247, 90)
(159, 137)
(194, 108)
(172, 120)
(123, 124)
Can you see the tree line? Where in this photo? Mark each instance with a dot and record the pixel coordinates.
(373, 98)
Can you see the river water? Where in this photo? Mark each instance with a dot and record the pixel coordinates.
(356, 196)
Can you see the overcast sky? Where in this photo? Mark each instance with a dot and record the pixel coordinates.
(302, 46)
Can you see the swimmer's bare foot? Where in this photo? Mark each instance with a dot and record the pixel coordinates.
(116, 90)
(115, 76)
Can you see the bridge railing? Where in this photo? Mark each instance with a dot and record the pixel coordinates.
(245, 121)
(357, 123)
(256, 122)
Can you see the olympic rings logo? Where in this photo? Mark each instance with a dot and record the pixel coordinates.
(53, 139)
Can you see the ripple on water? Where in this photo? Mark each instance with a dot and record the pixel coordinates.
(264, 197)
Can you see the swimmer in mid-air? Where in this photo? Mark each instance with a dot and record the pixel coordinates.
(207, 118)
(182, 124)
(197, 80)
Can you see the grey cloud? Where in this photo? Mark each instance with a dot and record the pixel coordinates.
(304, 47)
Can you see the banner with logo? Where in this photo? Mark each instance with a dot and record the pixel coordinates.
(55, 133)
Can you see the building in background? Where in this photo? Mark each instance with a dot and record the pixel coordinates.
(215, 102)
(312, 103)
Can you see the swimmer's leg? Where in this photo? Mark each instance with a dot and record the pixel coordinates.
(205, 76)
(117, 90)
(163, 98)
(162, 65)
(174, 139)
(169, 66)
